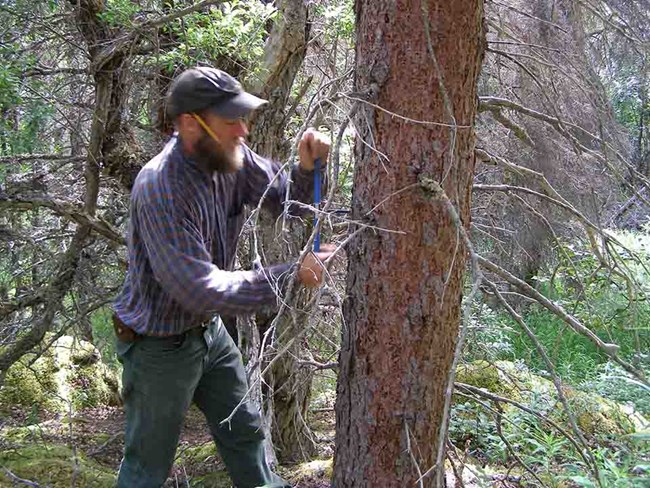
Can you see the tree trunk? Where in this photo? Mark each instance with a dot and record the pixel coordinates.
(289, 386)
(291, 392)
(402, 310)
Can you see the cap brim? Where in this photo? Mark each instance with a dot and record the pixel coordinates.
(238, 106)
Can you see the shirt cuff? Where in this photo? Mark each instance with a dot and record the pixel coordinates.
(279, 276)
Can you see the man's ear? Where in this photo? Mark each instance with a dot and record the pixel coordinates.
(188, 126)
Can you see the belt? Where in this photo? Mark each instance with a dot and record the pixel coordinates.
(125, 334)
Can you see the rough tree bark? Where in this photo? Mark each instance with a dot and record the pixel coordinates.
(289, 386)
(420, 60)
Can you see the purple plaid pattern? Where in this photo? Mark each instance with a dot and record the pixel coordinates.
(182, 238)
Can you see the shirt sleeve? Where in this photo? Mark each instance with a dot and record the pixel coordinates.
(181, 264)
(260, 173)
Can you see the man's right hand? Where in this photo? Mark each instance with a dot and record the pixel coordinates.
(311, 270)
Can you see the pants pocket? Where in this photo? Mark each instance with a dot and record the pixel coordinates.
(122, 348)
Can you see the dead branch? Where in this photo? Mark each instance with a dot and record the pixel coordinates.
(9, 307)
(17, 480)
(557, 382)
(65, 209)
(517, 130)
(523, 189)
(39, 157)
(611, 350)
(319, 366)
(561, 126)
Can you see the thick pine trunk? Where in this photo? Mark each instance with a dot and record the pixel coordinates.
(402, 311)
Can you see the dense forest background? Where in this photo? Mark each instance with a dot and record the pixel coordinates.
(551, 374)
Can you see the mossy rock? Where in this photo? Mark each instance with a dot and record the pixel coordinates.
(317, 469)
(216, 479)
(69, 374)
(196, 454)
(480, 374)
(27, 385)
(504, 378)
(54, 466)
(596, 416)
(29, 434)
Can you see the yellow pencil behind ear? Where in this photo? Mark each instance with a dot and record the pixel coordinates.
(206, 127)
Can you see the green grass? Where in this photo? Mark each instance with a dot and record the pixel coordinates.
(104, 336)
(575, 357)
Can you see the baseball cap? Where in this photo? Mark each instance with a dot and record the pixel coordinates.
(202, 88)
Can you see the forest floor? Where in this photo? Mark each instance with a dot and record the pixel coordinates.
(98, 434)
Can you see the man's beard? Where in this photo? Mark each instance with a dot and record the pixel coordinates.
(209, 153)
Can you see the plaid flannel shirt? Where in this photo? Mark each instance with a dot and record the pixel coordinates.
(182, 238)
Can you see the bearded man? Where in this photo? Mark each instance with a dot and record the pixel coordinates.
(187, 211)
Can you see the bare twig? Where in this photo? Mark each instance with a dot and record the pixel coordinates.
(20, 481)
(65, 209)
(608, 348)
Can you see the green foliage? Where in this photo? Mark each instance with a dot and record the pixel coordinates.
(542, 448)
(104, 336)
(339, 19)
(233, 33)
(615, 309)
(613, 306)
(9, 81)
(118, 13)
(323, 393)
(618, 468)
(346, 171)
(25, 113)
(611, 381)
(624, 87)
(489, 335)
(21, 128)
(574, 356)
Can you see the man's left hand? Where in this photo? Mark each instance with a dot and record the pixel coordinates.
(313, 145)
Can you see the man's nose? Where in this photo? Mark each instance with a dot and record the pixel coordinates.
(241, 129)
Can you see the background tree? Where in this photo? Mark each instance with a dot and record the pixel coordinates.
(286, 395)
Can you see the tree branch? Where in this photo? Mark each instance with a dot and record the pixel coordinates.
(39, 157)
(120, 44)
(47, 71)
(153, 23)
(9, 307)
(520, 132)
(490, 103)
(523, 189)
(65, 209)
(611, 350)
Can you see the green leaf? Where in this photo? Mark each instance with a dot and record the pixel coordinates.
(583, 481)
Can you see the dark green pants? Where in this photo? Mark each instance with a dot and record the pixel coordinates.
(161, 377)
